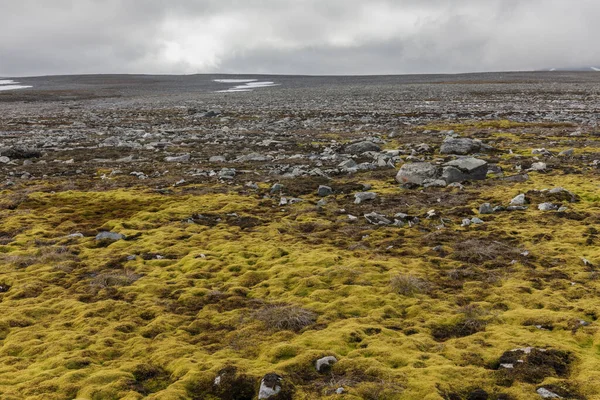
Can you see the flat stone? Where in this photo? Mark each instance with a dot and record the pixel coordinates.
(361, 147)
(460, 146)
(182, 158)
(363, 196)
(110, 236)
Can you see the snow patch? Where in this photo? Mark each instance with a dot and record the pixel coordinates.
(248, 85)
(9, 84)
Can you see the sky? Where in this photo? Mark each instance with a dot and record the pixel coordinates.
(318, 37)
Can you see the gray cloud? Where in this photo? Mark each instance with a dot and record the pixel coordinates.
(297, 36)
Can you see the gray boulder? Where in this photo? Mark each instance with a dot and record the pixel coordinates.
(361, 147)
(518, 200)
(217, 159)
(464, 169)
(547, 207)
(417, 173)
(348, 164)
(461, 146)
(181, 158)
(324, 191)
(566, 153)
(363, 196)
(110, 236)
(486, 208)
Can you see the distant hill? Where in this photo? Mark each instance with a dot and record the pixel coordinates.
(578, 69)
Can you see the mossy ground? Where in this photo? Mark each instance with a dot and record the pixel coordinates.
(187, 294)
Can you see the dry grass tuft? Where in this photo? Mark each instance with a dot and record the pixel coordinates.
(409, 285)
(282, 317)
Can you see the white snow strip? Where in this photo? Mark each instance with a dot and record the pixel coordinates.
(7, 81)
(248, 85)
(235, 80)
(595, 69)
(13, 87)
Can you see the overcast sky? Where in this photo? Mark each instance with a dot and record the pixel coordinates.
(41, 37)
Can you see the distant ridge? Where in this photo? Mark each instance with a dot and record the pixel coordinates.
(573, 69)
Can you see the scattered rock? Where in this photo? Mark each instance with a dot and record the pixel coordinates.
(181, 158)
(486, 208)
(547, 207)
(216, 159)
(364, 196)
(270, 385)
(464, 169)
(324, 191)
(377, 219)
(324, 364)
(566, 153)
(538, 166)
(110, 236)
(546, 394)
(361, 147)
(519, 200)
(417, 173)
(460, 146)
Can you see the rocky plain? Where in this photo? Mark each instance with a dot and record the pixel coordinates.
(395, 237)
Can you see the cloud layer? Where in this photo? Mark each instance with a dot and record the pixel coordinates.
(295, 36)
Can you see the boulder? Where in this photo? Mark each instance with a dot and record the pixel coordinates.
(361, 147)
(417, 173)
(518, 200)
(464, 169)
(363, 196)
(181, 158)
(486, 208)
(324, 191)
(110, 236)
(461, 146)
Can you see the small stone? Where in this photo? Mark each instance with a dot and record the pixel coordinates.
(476, 221)
(321, 203)
(546, 394)
(182, 158)
(519, 200)
(363, 196)
(270, 386)
(324, 364)
(215, 159)
(339, 390)
(324, 191)
(566, 153)
(486, 208)
(276, 188)
(547, 207)
(538, 166)
(466, 222)
(348, 164)
(377, 219)
(77, 235)
(109, 236)
(4, 160)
